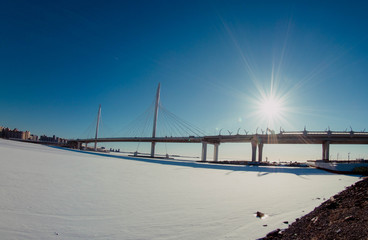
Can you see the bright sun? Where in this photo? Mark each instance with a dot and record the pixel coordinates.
(270, 108)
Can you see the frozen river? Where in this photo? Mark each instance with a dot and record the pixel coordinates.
(50, 193)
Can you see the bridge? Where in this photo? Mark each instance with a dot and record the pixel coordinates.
(257, 141)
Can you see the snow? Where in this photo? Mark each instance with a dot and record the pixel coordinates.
(51, 193)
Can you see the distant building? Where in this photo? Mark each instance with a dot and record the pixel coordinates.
(15, 133)
(45, 138)
(33, 137)
(26, 135)
(52, 139)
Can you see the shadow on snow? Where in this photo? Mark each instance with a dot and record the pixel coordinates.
(262, 170)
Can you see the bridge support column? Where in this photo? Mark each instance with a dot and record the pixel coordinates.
(153, 145)
(86, 145)
(260, 151)
(326, 151)
(215, 152)
(204, 152)
(254, 150)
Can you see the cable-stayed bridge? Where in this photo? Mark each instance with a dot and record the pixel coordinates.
(188, 133)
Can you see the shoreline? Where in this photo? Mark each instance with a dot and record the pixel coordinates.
(343, 216)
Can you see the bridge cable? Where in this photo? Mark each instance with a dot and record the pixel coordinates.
(174, 129)
(149, 113)
(195, 130)
(88, 132)
(185, 126)
(170, 128)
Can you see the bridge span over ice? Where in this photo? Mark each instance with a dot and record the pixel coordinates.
(257, 141)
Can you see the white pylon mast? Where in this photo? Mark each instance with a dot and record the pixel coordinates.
(98, 123)
(155, 121)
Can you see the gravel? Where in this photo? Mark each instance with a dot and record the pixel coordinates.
(343, 216)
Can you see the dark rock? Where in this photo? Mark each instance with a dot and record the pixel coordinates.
(349, 218)
(259, 214)
(275, 233)
(286, 222)
(314, 220)
(332, 205)
(343, 216)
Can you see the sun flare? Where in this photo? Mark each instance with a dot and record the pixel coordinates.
(271, 111)
(270, 108)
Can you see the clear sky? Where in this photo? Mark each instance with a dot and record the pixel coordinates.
(226, 65)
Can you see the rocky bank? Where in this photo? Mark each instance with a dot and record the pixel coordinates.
(343, 216)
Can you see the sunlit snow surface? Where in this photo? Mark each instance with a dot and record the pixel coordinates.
(50, 193)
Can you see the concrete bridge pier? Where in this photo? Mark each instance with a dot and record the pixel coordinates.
(326, 151)
(79, 145)
(215, 152)
(153, 144)
(254, 150)
(204, 152)
(260, 151)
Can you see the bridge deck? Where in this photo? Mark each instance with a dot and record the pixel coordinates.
(281, 138)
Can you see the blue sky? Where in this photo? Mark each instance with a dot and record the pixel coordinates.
(217, 62)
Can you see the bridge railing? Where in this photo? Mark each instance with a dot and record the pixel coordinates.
(323, 133)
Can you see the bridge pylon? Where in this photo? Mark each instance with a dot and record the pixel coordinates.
(97, 126)
(153, 144)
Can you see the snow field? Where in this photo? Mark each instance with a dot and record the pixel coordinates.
(49, 193)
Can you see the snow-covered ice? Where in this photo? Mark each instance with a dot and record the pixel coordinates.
(51, 193)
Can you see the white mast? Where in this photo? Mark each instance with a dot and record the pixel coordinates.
(98, 123)
(155, 121)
